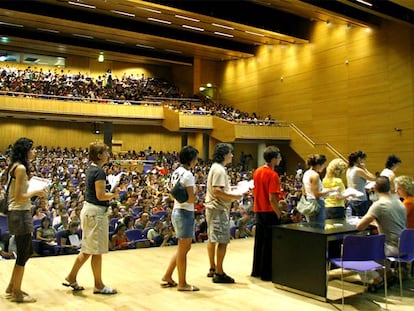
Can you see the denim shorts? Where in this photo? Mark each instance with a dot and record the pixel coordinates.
(183, 222)
(218, 226)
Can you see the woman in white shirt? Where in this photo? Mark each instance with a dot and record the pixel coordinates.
(183, 221)
(312, 185)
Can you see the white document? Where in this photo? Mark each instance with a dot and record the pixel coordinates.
(370, 185)
(74, 240)
(37, 183)
(242, 187)
(352, 192)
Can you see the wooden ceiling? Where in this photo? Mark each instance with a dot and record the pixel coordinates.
(168, 32)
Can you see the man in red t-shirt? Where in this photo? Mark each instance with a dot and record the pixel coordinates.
(266, 206)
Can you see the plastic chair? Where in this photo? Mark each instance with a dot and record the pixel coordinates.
(233, 231)
(136, 236)
(405, 252)
(360, 253)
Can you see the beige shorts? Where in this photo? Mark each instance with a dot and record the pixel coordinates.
(218, 226)
(95, 229)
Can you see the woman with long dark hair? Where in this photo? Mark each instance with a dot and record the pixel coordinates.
(20, 217)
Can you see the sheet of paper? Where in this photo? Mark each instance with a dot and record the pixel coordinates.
(370, 185)
(352, 192)
(37, 183)
(74, 240)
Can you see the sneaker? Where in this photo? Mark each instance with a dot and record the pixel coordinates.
(222, 278)
(211, 273)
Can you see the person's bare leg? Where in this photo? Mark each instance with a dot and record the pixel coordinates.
(221, 252)
(170, 269)
(184, 245)
(96, 263)
(211, 250)
(79, 261)
(16, 280)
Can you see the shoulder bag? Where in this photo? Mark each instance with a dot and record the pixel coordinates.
(179, 192)
(307, 208)
(4, 202)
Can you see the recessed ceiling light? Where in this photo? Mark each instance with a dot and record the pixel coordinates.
(82, 36)
(149, 10)
(223, 34)
(187, 18)
(174, 51)
(222, 26)
(145, 46)
(48, 30)
(11, 24)
(84, 5)
(193, 28)
(254, 33)
(123, 13)
(159, 20)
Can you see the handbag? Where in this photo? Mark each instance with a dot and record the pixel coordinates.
(307, 208)
(179, 192)
(4, 202)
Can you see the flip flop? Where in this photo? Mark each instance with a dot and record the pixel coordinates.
(189, 288)
(23, 298)
(105, 291)
(168, 284)
(75, 286)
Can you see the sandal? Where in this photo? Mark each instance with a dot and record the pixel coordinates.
(75, 286)
(23, 298)
(168, 284)
(211, 272)
(188, 288)
(105, 291)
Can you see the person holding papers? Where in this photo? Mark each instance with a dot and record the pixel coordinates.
(357, 176)
(19, 216)
(94, 221)
(218, 201)
(335, 202)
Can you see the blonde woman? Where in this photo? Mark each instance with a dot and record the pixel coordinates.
(335, 204)
(405, 189)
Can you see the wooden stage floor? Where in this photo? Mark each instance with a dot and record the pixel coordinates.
(137, 276)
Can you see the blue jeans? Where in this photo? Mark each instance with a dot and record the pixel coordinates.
(359, 208)
(320, 216)
(183, 222)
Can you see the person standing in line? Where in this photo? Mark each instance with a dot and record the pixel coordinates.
(218, 202)
(94, 221)
(335, 204)
(267, 210)
(356, 177)
(312, 186)
(183, 220)
(391, 165)
(19, 217)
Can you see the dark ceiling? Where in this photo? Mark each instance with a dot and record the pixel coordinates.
(176, 31)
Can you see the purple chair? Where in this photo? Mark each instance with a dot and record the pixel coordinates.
(233, 231)
(405, 252)
(360, 253)
(136, 236)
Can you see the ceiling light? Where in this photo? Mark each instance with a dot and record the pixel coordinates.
(193, 28)
(222, 26)
(123, 13)
(4, 39)
(174, 51)
(149, 10)
(82, 36)
(11, 24)
(48, 30)
(159, 20)
(145, 46)
(101, 57)
(115, 41)
(254, 33)
(223, 34)
(187, 18)
(364, 2)
(82, 4)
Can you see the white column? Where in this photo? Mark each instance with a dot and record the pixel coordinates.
(260, 148)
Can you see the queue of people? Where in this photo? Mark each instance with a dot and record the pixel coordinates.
(86, 181)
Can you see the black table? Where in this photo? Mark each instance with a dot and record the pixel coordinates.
(300, 252)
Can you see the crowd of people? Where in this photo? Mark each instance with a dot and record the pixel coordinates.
(127, 90)
(101, 193)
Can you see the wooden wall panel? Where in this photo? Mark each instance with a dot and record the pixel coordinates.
(349, 87)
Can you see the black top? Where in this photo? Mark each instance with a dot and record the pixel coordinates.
(93, 174)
